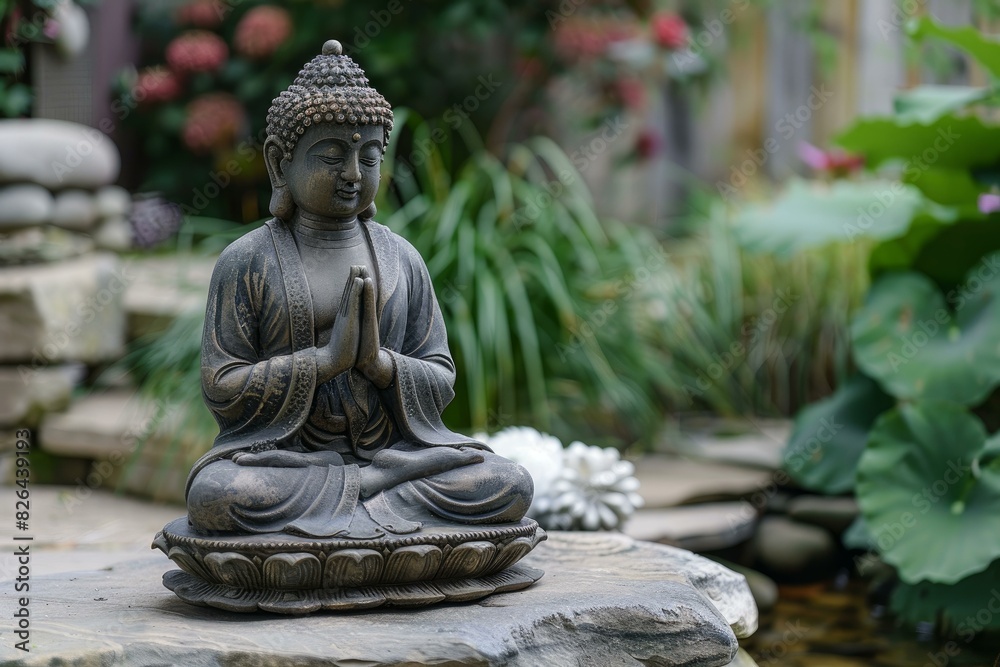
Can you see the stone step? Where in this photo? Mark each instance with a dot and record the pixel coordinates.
(708, 527)
(135, 447)
(668, 481)
(163, 288)
(69, 310)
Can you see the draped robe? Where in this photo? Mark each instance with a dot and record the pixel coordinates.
(259, 379)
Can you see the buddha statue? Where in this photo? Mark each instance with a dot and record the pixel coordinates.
(325, 358)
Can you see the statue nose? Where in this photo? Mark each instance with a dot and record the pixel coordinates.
(352, 171)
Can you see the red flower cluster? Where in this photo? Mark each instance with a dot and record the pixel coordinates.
(196, 51)
(670, 31)
(156, 84)
(201, 13)
(261, 31)
(214, 121)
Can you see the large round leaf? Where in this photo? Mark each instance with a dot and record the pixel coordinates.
(957, 607)
(809, 215)
(829, 436)
(908, 339)
(933, 510)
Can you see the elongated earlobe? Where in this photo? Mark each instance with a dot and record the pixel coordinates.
(282, 206)
(368, 213)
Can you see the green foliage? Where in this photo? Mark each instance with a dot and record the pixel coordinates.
(810, 215)
(909, 440)
(538, 295)
(908, 340)
(958, 608)
(928, 482)
(829, 436)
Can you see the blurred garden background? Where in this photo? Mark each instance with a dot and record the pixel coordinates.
(751, 245)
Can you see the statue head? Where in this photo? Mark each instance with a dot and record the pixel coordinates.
(326, 136)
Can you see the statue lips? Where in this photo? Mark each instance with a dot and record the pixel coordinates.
(348, 193)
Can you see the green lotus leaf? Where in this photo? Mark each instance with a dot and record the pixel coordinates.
(929, 498)
(808, 215)
(964, 608)
(829, 436)
(917, 347)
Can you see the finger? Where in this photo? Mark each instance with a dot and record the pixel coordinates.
(245, 458)
(370, 314)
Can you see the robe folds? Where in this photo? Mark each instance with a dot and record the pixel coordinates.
(259, 379)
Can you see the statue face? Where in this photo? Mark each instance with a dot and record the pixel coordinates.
(331, 174)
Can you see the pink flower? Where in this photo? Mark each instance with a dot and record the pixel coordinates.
(156, 84)
(261, 31)
(196, 51)
(669, 30)
(214, 122)
(202, 13)
(989, 203)
(835, 161)
(52, 28)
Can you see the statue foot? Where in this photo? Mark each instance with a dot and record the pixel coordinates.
(392, 467)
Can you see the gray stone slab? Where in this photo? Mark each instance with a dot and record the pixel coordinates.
(63, 311)
(604, 600)
(667, 481)
(165, 287)
(695, 527)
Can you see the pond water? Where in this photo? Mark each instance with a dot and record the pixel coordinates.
(823, 626)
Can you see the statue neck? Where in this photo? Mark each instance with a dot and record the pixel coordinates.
(320, 232)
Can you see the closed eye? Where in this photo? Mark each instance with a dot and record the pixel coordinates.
(331, 160)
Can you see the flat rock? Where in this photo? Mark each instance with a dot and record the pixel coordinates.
(25, 395)
(705, 527)
(756, 444)
(119, 425)
(64, 311)
(56, 154)
(604, 600)
(75, 210)
(667, 481)
(25, 205)
(164, 288)
(835, 513)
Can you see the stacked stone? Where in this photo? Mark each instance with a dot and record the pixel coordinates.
(61, 292)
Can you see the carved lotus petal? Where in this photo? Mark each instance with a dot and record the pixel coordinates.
(233, 569)
(512, 552)
(187, 562)
(289, 572)
(414, 563)
(352, 568)
(468, 560)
